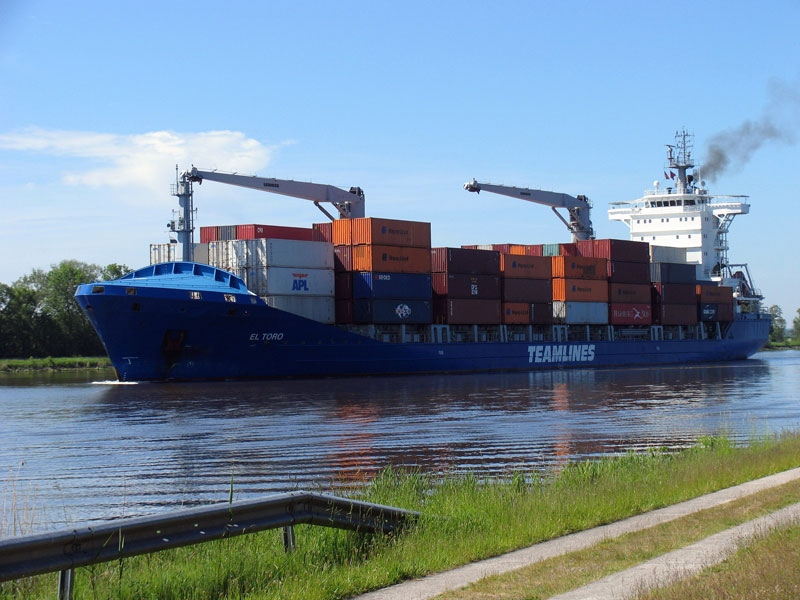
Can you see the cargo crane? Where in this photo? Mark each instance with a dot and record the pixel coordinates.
(349, 204)
(579, 208)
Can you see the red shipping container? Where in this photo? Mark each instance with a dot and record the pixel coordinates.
(674, 293)
(391, 232)
(542, 313)
(516, 313)
(343, 258)
(622, 250)
(580, 290)
(527, 290)
(276, 232)
(465, 260)
(629, 293)
(714, 294)
(343, 285)
(579, 267)
(568, 250)
(675, 314)
(470, 247)
(467, 312)
(208, 234)
(342, 232)
(322, 232)
(526, 267)
(629, 314)
(586, 248)
(628, 272)
(344, 311)
(462, 285)
(391, 259)
(503, 248)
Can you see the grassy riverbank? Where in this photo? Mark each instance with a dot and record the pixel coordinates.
(482, 519)
(16, 365)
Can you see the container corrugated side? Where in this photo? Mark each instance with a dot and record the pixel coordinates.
(455, 311)
(322, 232)
(161, 253)
(579, 267)
(288, 281)
(580, 290)
(343, 286)
(316, 308)
(387, 311)
(502, 248)
(287, 253)
(464, 260)
(525, 249)
(391, 232)
(631, 293)
(580, 313)
(714, 294)
(525, 267)
(550, 249)
(715, 312)
(622, 250)
(208, 234)
(674, 293)
(675, 314)
(221, 254)
(343, 258)
(342, 232)
(628, 272)
(568, 249)
(277, 232)
(201, 253)
(586, 248)
(226, 232)
(344, 311)
(391, 259)
(516, 313)
(667, 254)
(413, 286)
(664, 272)
(630, 314)
(527, 290)
(542, 313)
(463, 285)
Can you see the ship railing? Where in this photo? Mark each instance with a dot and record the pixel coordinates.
(64, 550)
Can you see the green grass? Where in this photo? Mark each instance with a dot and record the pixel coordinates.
(11, 365)
(465, 519)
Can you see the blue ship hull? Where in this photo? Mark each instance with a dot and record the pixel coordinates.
(191, 321)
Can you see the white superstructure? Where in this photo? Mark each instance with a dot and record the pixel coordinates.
(683, 214)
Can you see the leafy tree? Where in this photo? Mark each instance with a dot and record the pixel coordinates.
(777, 328)
(796, 326)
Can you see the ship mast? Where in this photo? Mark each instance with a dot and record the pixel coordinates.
(679, 156)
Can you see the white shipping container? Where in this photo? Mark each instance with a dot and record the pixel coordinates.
(161, 253)
(580, 313)
(288, 253)
(485, 247)
(667, 254)
(316, 308)
(201, 253)
(287, 281)
(220, 255)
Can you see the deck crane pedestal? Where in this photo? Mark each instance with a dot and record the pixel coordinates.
(579, 208)
(349, 204)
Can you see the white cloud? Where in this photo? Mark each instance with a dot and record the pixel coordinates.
(142, 161)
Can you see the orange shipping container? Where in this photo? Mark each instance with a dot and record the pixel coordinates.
(516, 313)
(342, 232)
(526, 249)
(391, 232)
(580, 290)
(517, 266)
(579, 267)
(714, 294)
(391, 259)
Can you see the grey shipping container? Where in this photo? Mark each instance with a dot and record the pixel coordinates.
(665, 272)
(317, 308)
(161, 253)
(580, 313)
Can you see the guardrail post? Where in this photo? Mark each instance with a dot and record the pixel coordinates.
(288, 538)
(65, 578)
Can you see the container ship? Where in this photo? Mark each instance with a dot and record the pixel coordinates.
(360, 295)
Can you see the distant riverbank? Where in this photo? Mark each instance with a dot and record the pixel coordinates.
(16, 365)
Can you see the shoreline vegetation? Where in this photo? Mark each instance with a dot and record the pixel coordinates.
(465, 518)
(20, 365)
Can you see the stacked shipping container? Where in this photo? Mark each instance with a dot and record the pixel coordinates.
(527, 287)
(628, 272)
(673, 293)
(715, 303)
(466, 285)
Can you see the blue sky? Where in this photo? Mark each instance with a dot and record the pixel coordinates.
(99, 101)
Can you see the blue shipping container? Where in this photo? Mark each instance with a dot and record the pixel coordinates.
(392, 311)
(412, 286)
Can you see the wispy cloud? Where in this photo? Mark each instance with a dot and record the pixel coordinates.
(142, 160)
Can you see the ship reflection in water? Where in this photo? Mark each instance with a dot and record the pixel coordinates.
(99, 451)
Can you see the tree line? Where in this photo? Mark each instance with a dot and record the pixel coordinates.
(778, 332)
(39, 316)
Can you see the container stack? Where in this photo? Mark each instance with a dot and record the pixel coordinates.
(253, 231)
(466, 286)
(383, 271)
(580, 290)
(160, 253)
(715, 303)
(526, 288)
(628, 270)
(673, 293)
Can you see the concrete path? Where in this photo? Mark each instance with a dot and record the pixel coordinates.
(433, 585)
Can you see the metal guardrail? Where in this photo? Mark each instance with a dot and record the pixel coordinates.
(67, 549)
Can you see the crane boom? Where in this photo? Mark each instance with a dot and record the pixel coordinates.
(349, 204)
(579, 208)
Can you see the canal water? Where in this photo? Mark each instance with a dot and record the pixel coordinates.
(81, 448)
